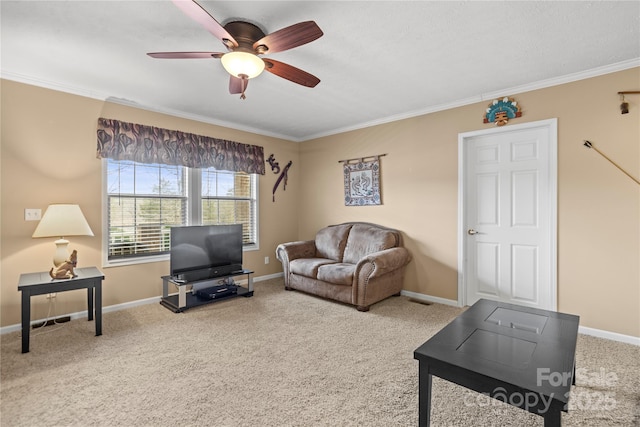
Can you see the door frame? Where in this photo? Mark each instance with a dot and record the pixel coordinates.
(552, 128)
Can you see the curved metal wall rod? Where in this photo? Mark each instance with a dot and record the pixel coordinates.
(588, 144)
(362, 159)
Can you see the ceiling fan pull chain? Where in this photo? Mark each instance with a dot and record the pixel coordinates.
(244, 78)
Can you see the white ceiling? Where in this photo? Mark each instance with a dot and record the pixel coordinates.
(377, 61)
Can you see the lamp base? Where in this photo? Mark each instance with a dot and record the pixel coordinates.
(61, 254)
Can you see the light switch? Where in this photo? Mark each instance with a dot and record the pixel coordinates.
(32, 214)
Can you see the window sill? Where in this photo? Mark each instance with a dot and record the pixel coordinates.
(133, 261)
(153, 258)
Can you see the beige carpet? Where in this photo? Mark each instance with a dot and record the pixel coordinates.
(277, 359)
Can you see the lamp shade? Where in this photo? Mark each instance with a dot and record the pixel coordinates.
(240, 64)
(61, 221)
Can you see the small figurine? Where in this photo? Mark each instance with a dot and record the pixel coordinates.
(65, 270)
(275, 166)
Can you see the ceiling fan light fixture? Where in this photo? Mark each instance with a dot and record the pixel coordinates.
(242, 64)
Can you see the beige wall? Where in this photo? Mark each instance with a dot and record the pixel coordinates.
(598, 206)
(48, 155)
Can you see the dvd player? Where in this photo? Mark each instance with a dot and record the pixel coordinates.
(218, 291)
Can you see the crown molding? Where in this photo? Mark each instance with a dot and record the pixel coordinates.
(73, 90)
(569, 78)
(542, 84)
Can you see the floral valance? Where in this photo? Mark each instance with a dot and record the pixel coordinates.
(147, 144)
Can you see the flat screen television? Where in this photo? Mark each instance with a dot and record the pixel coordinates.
(205, 251)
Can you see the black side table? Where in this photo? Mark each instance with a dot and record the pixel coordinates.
(41, 283)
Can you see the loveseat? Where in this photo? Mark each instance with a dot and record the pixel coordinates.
(355, 263)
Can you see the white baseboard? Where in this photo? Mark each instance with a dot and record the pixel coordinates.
(614, 336)
(429, 298)
(83, 314)
(123, 306)
(268, 277)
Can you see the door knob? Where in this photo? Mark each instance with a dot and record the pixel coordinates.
(471, 232)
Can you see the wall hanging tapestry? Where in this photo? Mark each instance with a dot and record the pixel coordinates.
(501, 110)
(362, 181)
(147, 144)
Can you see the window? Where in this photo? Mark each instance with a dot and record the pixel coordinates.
(229, 198)
(143, 202)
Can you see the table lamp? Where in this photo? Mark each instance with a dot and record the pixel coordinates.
(60, 221)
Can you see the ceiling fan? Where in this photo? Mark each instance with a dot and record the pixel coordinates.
(244, 42)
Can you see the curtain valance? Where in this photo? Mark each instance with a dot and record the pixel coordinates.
(147, 144)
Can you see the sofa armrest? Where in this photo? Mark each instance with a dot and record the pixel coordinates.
(287, 252)
(380, 263)
(379, 275)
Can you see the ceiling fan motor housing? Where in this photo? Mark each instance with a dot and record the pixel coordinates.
(246, 34)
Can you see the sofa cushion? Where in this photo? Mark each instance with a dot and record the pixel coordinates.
(330, 241)
(338, 273)
(308, 266)
(365, 239)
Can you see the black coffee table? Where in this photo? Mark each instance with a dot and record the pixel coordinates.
(520, 355)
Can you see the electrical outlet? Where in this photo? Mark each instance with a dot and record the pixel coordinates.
(32, 214)
(266, 260)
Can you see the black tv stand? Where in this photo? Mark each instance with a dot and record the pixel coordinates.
(185, 298)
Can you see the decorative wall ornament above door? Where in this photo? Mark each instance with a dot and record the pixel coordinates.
(501, 110)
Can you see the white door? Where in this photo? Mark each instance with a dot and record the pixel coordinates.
(507, 216)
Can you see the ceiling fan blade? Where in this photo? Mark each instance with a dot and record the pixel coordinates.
(291, 73)
(183, 55)
(196, 12)
(289, 37)
(235, 85)
(238, 85)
